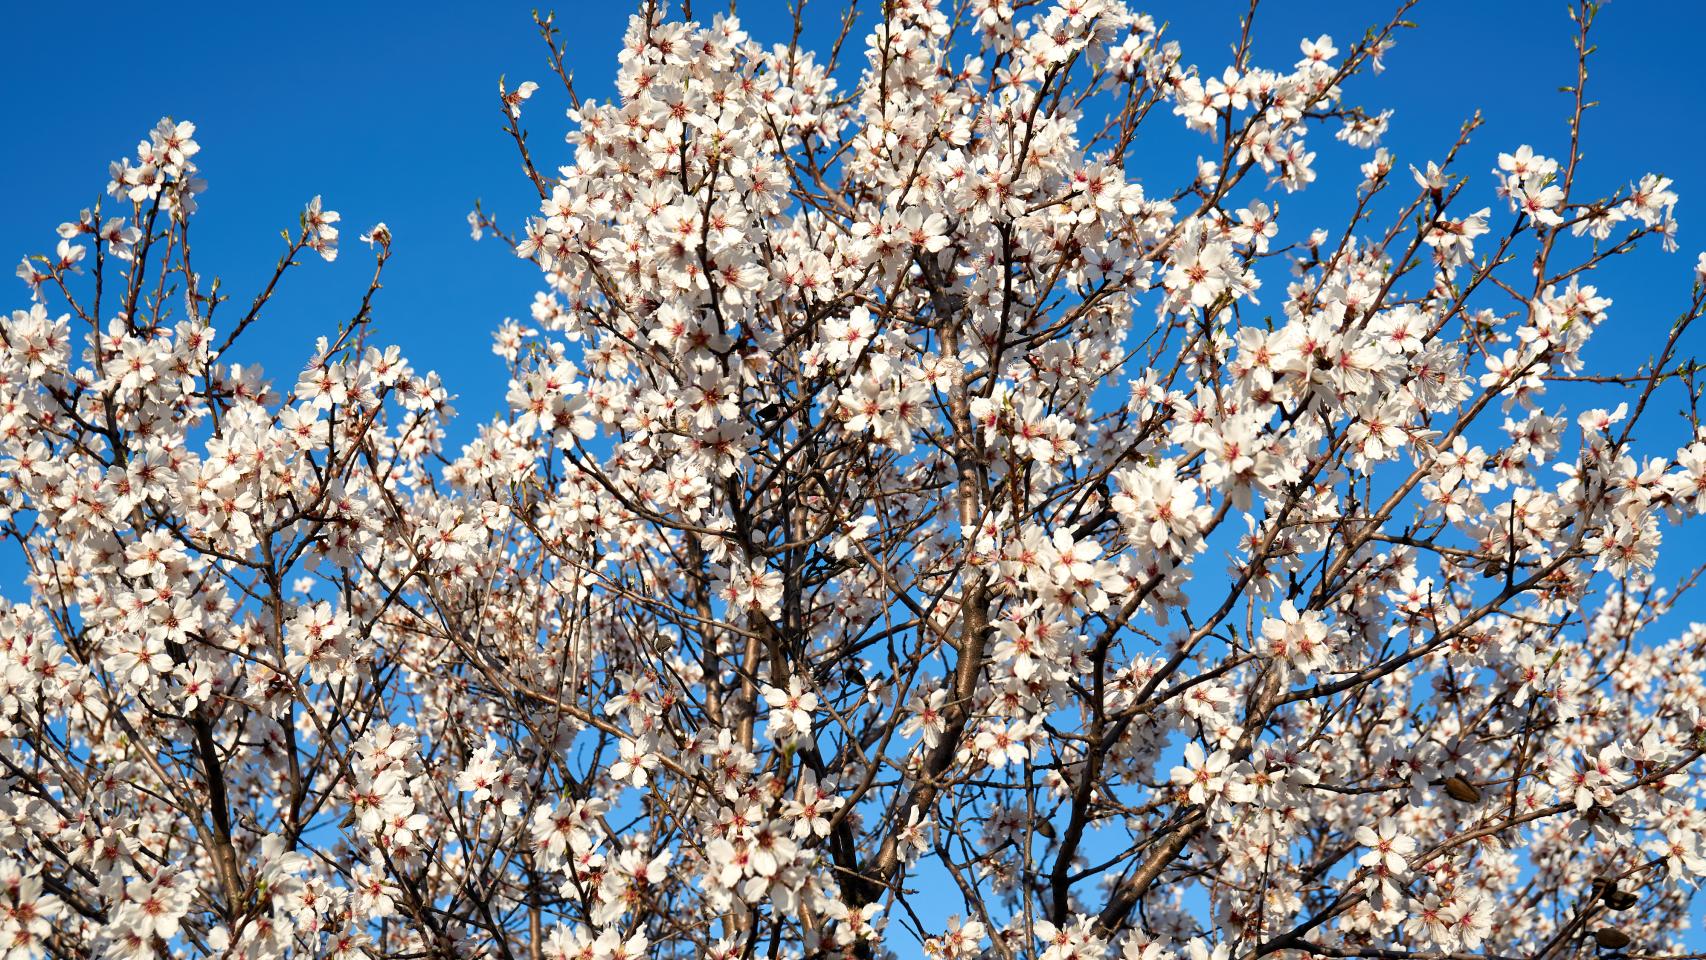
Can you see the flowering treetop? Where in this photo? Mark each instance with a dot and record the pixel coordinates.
(892, 496)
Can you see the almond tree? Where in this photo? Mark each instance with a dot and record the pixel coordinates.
(907, 533)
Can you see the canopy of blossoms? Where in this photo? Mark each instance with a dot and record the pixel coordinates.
(907, 534)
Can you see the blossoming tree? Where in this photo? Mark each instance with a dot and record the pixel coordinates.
(907, 534)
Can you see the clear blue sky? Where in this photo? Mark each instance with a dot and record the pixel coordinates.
(390, 112)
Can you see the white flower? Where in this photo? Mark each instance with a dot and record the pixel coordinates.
(1387, 847)
(750, 587)
(790, 710)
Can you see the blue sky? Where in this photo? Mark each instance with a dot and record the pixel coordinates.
(391, 114)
